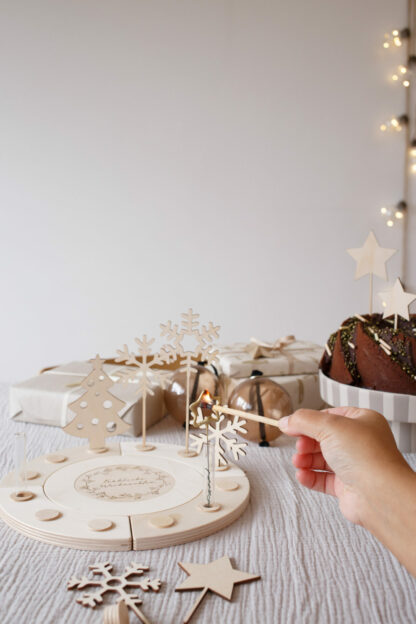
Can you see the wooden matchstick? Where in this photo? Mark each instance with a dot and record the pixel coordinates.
(220, 409)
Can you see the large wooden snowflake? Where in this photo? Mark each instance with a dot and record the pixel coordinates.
(222, 444)
(199, 346)
(119, 584)
(142, 373)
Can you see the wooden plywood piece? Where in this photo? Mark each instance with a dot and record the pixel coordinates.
(371, 260)
(55, 458)
(397, 302)
(121, 584)
(145, 375)
(228, 485)
(200, 347)
(116, 614)
(31, 474)
(47, 515)
(162, 522)
(97, 410)
(100, 524)
(218, 576)
(22, 496)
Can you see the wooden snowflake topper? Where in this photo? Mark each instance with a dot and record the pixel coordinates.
(218, 576)
(96, 411)
(144, 375)
(203, 416)
(119, 584)
(397, 302)
(201, 347)
(371, 260)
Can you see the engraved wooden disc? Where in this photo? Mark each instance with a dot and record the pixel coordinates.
(98, 450)
(187, 453)
(162, 522)
(146, 447)
(48, 514)
(56, 458)
(100, 524)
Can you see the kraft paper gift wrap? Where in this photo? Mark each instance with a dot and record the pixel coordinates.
(298, 357)
(44, 399)
(398, 409)
(302, 389)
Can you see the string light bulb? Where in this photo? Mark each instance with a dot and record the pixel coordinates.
(392, 214)
(404, 73)
(395, 38)
(395, 123)
(412, 156)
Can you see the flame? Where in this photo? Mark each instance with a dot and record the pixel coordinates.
(206, 397)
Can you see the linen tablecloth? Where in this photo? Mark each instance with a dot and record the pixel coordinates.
(316, 567)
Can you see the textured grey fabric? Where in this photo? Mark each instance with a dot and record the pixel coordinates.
(316, 567)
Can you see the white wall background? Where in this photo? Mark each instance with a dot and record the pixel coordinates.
(160, 154)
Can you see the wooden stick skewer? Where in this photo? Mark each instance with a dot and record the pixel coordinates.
(220, 409)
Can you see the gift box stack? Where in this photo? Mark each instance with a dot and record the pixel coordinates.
(291, 363)
(44, 399)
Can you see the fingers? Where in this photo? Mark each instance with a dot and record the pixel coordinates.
(311, 461)
(311, 423)
(307, 445)
(318, 481)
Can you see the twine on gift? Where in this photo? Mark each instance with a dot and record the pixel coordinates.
(258, 349)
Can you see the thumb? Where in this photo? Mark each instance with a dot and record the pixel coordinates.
(311, 423)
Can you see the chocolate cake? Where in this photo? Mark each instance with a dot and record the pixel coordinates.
(368, 352)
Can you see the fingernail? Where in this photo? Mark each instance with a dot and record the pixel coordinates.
(283, 423)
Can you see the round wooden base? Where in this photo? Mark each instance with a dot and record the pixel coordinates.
(187, 453)
(123, 499)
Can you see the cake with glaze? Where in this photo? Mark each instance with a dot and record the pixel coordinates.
(368, 352)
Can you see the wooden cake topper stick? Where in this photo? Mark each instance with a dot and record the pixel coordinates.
(97, 409)
(202, 348)
(218, 576)
(397, 302)
(371, 260)
(144, 376)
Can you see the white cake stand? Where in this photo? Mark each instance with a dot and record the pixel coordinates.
(122, 499)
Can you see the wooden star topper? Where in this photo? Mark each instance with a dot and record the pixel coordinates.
(397, 302)
(219, 576)
(371, 260)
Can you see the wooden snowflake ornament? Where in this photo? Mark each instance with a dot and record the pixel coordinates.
(119, 584)
(144, 376)
(218, 576)
(97, 410)
(199, 346)
(371, 260)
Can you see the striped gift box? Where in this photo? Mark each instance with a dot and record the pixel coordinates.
(398, 409)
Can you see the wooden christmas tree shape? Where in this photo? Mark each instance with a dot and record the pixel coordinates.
(397, 302)
(218, 576)
(96, 411)
(144, 376)
(202, 348)
(371, 260)
(119, 584)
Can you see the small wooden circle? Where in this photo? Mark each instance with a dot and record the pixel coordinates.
(162, 522)
(222, 468)
(145, 448)
(214, 507)
(100, 524)
(48, 514)
(100, 449)
(22, 496)
(56, 458)
(187, 453)
(228, 485)
(31, 474)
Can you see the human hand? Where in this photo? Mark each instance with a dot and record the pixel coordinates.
(354, 447)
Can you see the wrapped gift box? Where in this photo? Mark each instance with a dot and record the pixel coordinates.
(302, 389)
(44, 399)
(297, 358)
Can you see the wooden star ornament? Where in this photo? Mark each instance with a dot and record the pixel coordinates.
(371, 260)
(397, 302)
(219, 576)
